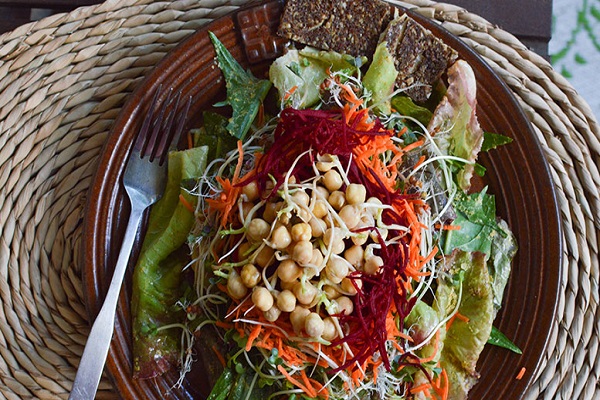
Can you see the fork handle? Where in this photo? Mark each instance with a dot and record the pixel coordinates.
(94, 355)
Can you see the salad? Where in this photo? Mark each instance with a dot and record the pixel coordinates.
(332, 245)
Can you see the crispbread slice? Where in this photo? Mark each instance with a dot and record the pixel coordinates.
(420, 57)
(346, 26)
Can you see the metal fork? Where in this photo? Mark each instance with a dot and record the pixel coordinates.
(144, 180)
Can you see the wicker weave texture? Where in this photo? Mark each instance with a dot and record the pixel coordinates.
(63, 81)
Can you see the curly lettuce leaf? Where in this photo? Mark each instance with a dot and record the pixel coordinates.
(454, 121)
(245, 93)
(466, 337)
(157, 277)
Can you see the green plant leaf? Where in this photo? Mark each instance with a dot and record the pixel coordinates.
(497, 338)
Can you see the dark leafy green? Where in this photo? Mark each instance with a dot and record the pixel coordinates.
(215, 135)
(497, 338)
(405, 106)
(245, 93)
(493, 140)
(476, 217)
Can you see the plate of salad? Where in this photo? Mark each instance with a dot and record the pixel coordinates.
(360, 209)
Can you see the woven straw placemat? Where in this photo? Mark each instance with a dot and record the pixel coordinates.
(64, 79)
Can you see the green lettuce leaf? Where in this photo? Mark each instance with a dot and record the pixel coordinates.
(245, 93)
(380, 79)
(157, 277)
(465, 339)
(298, 74)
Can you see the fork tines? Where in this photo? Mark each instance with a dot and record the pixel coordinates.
(158, 133)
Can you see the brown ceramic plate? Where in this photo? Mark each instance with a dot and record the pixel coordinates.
(517, 174)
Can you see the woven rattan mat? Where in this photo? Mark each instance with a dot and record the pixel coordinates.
(64, 79)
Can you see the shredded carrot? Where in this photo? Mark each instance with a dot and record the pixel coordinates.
(442, 385)
(320, 388)
(295, 382)
(448, 227)
(253, 335)
(186, 203)
(261, 115)
(419, 162)
(190, 140)
(219, 355)
(420, 388)
(435, 348)
(521, 374)
(289, 93)
(456, 316)
(413, 145)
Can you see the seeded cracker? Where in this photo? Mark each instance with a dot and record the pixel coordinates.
(345, 26)
(419, 57)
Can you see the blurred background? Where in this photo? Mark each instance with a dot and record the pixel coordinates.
(566, 32)
(575, 46)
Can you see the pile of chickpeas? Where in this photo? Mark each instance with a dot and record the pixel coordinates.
(301, 247)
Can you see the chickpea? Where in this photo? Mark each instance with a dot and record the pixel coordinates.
(325, 162)
(288, 271)
(331, 292)
(314, 325)
(329, 329)
(304, 214)
(317, 259)
(302, 252)
(305, 292)
(332, 180)
(350, 214)
(344, 305)
(317, 227)
(355, 255)
(271, 210)
(373, 206)
(258, 229)
(286, 301)
(243, 251)
(262, 298)
(301, 231)
(264, 257)
(372, 265)
(337, 199)
(298, 317)
(337, 269)
(246, 208)
(272, 314)
(287, 285)
(377, 233)
(356, 193)
(347, 286)
(320, 208)
(322, 193)
(332, 237)
(250, 275)
(301, 198)
(360, 239)
(235, 286)
(251, 191)
(281, 237)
